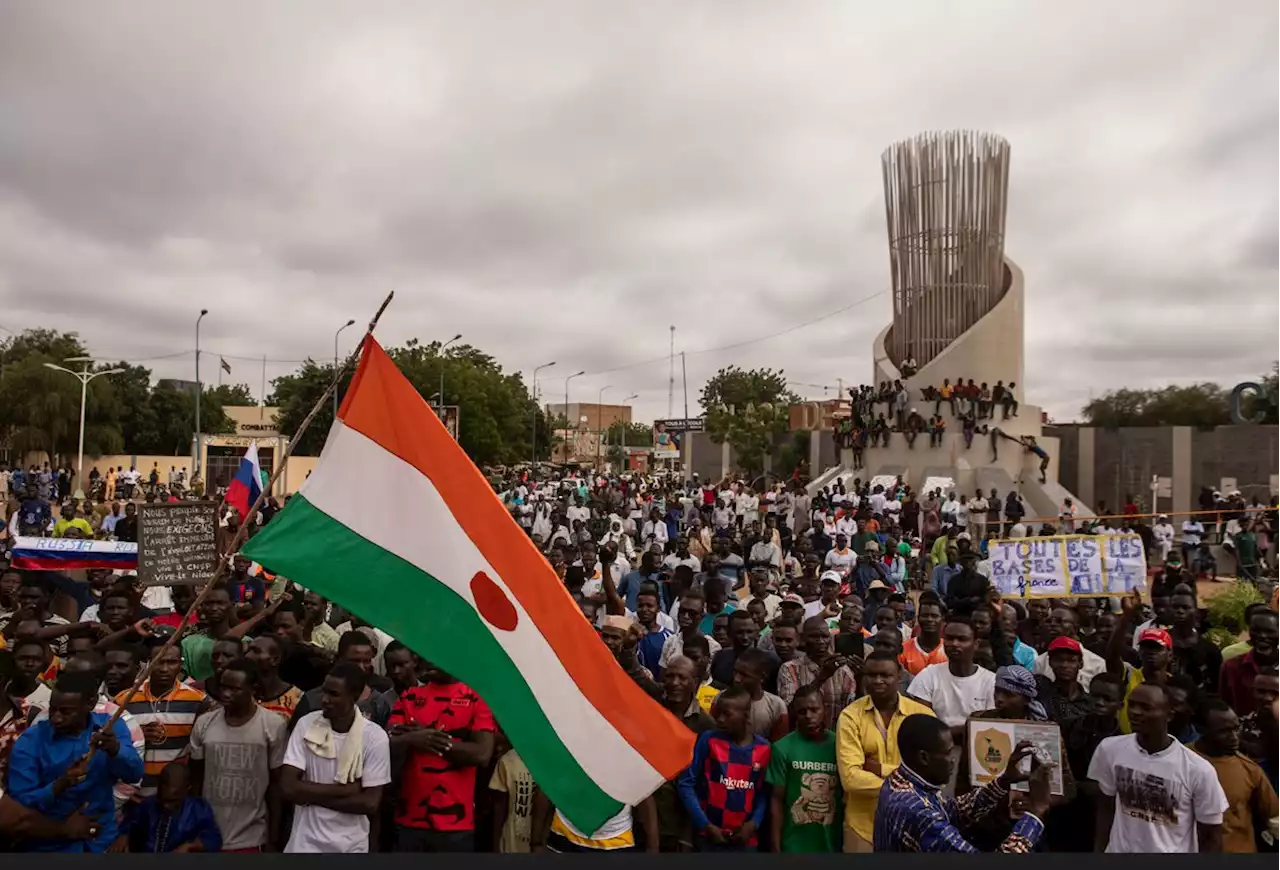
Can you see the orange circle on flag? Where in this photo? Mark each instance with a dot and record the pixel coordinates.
(493, 603)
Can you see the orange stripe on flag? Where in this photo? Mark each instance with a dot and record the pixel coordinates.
(383, 406)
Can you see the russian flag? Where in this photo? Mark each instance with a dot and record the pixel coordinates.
(246, 486)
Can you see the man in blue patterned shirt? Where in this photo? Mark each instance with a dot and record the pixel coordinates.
(913, 815)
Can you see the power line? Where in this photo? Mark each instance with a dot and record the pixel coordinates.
(737, 344)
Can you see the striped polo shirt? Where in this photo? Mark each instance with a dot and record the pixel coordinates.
(176, 710)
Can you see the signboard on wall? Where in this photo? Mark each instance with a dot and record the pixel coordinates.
(449, 416)
(668, 435)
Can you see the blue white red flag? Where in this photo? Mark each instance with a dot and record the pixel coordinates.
(246, 486)
(73, 554)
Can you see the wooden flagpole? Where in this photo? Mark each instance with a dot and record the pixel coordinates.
(247, 521)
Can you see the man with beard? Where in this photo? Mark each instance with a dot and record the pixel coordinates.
(680, 681)
(833, 676)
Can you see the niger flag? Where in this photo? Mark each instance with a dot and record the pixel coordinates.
(398, 526)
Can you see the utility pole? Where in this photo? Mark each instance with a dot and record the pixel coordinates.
(533, 387)
(600, 425)
(83, 376)
(199, 389)
(671, 381)
(684, 377)
(625, 424)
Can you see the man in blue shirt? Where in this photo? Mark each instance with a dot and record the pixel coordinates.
(50, 770)
(913, 814)
(649, 649)
(648, 571)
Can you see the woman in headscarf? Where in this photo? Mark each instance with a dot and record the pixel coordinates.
(1015, 699)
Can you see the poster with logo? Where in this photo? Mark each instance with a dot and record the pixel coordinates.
(991, 743)
(668, 435)
(449, 416)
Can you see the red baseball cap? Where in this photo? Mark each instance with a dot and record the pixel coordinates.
(1070, 644)
(1156, 635)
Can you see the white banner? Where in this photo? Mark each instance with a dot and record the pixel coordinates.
(1067, 566)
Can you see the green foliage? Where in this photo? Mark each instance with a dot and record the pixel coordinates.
(637, 434)
(794, 453)
(234, 395)
(495, 408)
(1194, 405)
(748, 409)
(40, 407)
(1226, 610)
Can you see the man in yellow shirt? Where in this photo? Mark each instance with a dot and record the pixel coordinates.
(867, 745)
(70, 521)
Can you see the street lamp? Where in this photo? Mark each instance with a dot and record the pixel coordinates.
(534, 387)
(195, 461)
(442, 347)
(625, 424)
(600, 424)
(335, 364)
(83, 377)
(566, 412)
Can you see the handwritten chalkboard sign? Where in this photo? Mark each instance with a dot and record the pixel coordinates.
(177, 543)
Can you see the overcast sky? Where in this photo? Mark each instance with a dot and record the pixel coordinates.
(565, 180)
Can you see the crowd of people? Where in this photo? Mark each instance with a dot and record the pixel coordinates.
(970, 406)
(832, 653)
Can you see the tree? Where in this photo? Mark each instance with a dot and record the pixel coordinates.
(495, 410)
(1194, 405)
(637, 434)
(747, 409)
(40, 407)
(234, 395)
(139, 425)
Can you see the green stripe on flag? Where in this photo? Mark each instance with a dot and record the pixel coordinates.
(316, 551)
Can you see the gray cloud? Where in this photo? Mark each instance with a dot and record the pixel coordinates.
(564, 180)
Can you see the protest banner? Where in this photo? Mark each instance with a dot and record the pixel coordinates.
(1066, 566)
(177, 543)
(72, 554)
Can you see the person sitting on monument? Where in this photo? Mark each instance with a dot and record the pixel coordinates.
(1009, 403)
(937, 428)
(915, 425)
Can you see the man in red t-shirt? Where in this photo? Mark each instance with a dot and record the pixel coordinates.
(449, 732)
